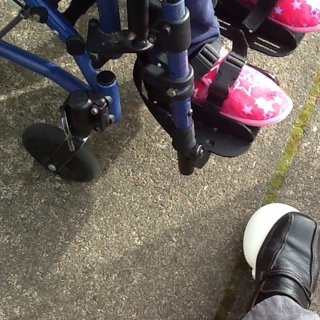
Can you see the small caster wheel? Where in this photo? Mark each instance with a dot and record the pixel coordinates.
(258, 227)
(41, 140)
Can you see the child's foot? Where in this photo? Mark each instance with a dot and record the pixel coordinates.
(296, 15)
(254, 99)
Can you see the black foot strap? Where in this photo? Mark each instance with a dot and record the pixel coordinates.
(208, 55)
(259, 14)
(261, 33)
(228, 73)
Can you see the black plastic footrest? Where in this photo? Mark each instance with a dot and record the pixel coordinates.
(221, 135)
(216, 133)
(270, 38)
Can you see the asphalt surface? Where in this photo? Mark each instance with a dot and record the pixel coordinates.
(142, 241)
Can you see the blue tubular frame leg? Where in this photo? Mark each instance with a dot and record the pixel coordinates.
(41, 66)
(108, 86)
(178, 67)
(57, 23)
(55, 20)
(109, 15)
(109, 20)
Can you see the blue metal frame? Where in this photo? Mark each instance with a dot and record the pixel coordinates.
(178, 67)
(109, 22)
(41, 66)
(109, 15)
(64, 30)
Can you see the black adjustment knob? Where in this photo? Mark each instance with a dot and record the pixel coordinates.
(79, 100)
(75, 45)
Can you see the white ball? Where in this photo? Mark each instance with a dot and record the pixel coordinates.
(258, 227)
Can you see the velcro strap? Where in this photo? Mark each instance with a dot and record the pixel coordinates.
(228, 73)
(259, 14)
(239, 41)
(204, 60)
(288, 274)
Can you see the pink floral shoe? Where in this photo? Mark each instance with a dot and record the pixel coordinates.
(253, 99)
(296, 15)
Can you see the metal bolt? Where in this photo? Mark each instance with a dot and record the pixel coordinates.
(167, 30)
(139, 44)
(152, 40)
(190, 113)
(210, 143)
(94, 111)
(171, 92)
(52, 167)
(108, 100)
(112, 119)
(200, 151)
(55, 32)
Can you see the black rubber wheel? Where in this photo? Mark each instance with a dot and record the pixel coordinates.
(41, 140)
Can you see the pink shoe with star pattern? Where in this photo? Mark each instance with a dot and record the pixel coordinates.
(296, 15)
(254, 99)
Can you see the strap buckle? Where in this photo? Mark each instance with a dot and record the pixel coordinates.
(203, 61)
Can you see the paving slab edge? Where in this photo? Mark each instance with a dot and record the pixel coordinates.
(274, 187)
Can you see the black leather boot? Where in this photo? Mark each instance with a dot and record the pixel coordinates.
(288, 260)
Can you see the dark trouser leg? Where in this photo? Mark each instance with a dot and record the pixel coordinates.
(76, 9)
(280, 308)
(204, 23)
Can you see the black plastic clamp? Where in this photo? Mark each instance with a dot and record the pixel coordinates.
(160, 79)
(190, 153)
(107, 45)
(174, 36)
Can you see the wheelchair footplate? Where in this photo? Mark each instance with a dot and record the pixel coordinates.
(217, 133)
(221, 135)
